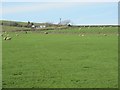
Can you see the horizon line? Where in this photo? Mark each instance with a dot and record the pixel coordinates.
(58, 22)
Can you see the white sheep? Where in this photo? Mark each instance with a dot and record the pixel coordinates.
(105, 34)
(8, 38)
(17, 35)
(4, 38)
(46, 32)
(82, 35)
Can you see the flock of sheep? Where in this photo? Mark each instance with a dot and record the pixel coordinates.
(89, 28)
(6, 36)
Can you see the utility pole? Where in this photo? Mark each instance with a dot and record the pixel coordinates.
(60, 20)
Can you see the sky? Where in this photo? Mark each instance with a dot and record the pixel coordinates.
(78, 12)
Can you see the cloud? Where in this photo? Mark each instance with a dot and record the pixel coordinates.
(34, 7)
(40, 6)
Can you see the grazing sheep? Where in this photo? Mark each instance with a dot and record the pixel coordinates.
(105, 34)
(17, 35)
(4, 38)
(79, 28)
(8, 38)
(82, 35)
(46, 32)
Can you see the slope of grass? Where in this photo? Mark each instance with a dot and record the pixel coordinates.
(7, 23)
(60, 61)
(12, 28)
(85, 30)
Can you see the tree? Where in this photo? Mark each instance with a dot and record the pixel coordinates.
(32, 24)
(28, 22)
(65, 22)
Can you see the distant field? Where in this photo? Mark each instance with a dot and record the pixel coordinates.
(86, 30)
(61, 59)
(73, 30)
(13, 28)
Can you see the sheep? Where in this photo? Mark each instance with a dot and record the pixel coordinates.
(105, 34)
(8, 38)
(46, 32)
(79, 28)
(4, 38)
(17, 35)
(82, 35)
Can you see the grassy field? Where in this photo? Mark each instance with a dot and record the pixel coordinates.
(61, 59)
(13, 28)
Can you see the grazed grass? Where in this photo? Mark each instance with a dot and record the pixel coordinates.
(85, 30)
(13, 28)
(60, 61)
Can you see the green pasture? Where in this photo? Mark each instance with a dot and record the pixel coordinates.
(61, 59)
(13, 28)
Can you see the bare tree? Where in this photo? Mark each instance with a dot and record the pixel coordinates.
(65, 22)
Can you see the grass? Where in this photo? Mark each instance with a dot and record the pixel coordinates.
(37, 60)
(6, 22)
(13, 28)
(84, 30)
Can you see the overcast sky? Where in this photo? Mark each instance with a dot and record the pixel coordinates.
(77, 12)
